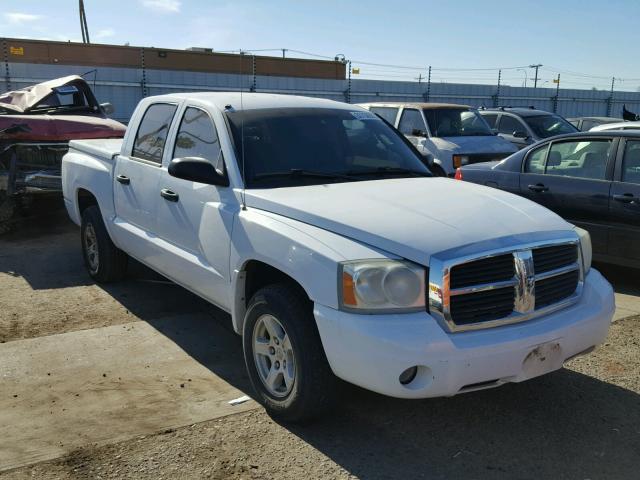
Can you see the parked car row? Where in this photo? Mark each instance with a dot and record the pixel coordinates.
(322, 232)
(592, 179)
(447, 135)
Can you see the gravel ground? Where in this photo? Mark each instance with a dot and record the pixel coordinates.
(582, 422)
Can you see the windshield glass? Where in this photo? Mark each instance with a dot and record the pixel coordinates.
(455, 122)
(302, 146)
(549, 125)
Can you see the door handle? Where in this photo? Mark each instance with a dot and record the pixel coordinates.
(123, 179)
(625, 198)
(538, 188)
(169, 195)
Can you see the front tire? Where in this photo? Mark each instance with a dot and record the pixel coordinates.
(284, 356)
(104, 261)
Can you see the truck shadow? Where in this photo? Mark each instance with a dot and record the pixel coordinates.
(564, 425)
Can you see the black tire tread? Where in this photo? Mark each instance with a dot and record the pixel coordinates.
(113, 261)
(319, 386)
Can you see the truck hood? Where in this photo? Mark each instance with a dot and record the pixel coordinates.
(412, 218)
(470, 145)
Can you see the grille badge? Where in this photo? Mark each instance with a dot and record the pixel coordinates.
(525, 288)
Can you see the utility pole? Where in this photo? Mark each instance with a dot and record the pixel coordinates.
(429, 85)
(535, 80)
(284, 51)
(496, 97)
(555, 99)
(610, 99)
(419, 78)
(83, 23)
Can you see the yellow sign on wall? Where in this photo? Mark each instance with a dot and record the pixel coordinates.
(16, 50)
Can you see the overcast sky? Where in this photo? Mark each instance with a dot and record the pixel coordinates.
(587, 41)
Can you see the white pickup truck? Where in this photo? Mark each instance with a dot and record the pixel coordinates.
(337, 254)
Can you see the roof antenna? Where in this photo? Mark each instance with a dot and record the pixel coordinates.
(243, 195)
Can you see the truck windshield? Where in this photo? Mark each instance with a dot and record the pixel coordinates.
(545, 126)
(303, 146)
(455, 122)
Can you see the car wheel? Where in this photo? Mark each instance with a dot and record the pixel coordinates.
(104, 261)
(284, 356)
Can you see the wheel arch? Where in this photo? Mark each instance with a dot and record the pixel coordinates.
(253, 275)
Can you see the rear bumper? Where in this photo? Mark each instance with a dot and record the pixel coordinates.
(373, 350)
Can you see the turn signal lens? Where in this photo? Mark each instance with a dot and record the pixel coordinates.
(458, 175)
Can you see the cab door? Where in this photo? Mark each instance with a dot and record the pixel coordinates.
(624, 204)
(195, 219)
(136, 176)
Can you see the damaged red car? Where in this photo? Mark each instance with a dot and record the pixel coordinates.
(36, 124)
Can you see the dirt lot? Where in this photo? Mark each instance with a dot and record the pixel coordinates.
(580, 422)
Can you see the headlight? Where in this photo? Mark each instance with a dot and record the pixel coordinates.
(375, 286)
(585, 247)
(460, 160)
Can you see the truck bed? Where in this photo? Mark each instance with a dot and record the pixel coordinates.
(103, 148)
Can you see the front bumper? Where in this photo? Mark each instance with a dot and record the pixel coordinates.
(373, 350)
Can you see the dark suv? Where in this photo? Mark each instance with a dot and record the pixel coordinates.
(523, 126)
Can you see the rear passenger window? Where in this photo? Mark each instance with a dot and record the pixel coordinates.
(491, 119)
(631, 163)
(152, 132)
(197, 137)
(388, 113)
(535, 160)
(411, 119)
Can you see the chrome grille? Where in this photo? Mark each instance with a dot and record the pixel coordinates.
(497, 287)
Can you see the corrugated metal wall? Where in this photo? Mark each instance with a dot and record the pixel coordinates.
(124, 87)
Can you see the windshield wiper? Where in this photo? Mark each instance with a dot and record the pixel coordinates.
(298, 172)
(380, 171)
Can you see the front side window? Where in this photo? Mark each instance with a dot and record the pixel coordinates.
(152, 132)
(631, 162)
(302, 146)
(545, 126)
(510, 125)
(411, 120)
(579, 159)
(388, 113)
(456, 122)
(197, 137)
(491, 119)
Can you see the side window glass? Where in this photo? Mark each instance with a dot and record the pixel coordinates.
(197, 137)
(388, 113)
(509, 125)
(491, 119)
(631, 162)
(579, 159)
(152, 132)
(535, 160)
(411, 119)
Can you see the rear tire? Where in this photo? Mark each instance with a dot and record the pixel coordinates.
(279, 327)
(104, 261)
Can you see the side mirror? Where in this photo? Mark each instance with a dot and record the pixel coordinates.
(197, 169)
(416, 132)
(519, 134)
(107, 108)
